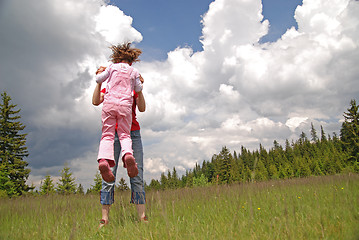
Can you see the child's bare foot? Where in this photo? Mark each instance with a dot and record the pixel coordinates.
(103, 222)
(105, 170)
(131, 165)
(144, 219)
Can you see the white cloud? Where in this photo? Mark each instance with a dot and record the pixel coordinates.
(115, 26)
(227, 91)
(50, 52)
(155, 166)
(235, 92)
(295, 122)
(246, 93)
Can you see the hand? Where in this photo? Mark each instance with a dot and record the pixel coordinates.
(100, 70)
(141, 79)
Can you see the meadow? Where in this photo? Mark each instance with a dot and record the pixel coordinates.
(325, 207)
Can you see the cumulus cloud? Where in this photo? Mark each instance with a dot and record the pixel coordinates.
(235, 92)
(240, 92)
(49, 52)
(115, 26)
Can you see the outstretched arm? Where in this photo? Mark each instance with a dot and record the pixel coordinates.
(102, 74)
(140, 100)
(97, 97)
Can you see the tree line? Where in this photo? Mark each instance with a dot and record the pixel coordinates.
(67, 184)
(314, 156)
(317, 155)
(13, 168)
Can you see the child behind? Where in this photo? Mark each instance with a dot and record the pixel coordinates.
(117, 109)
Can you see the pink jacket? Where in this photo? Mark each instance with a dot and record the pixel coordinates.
(122, 81)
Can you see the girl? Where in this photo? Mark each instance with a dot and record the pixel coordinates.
(136, 183)
(117, 109)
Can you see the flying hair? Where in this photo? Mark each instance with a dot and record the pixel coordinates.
(124, 52)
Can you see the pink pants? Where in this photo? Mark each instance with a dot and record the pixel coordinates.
(112, 114)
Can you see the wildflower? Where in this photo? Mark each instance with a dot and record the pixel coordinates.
(342, 188)
(299, 197)
(259, 208)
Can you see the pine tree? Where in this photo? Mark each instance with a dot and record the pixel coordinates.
(349, 132)
(263, 155)
(245, 156)
(174, 182)
(234, 171)
(208, 170)
(316, 169)
(96, 188)
(313, 133)
(247, 174)
(261, 172)
(7, 187)
(224, 159)
(289, 171)
(273, 172)
(154, 184)
(282, 172)
(122, 185)
(66, 184)
(323, 135)
(197, 170)
(183, 180)
(169, 180)
(200, 181)
(189, 179)
(289, 153)
(164, 181)
(80, 189)
(303, 169)
(47, 186)
(241, 170)
(276, 145)
(12, 150)
(303, 138)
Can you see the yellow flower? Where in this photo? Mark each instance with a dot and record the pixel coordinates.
(259, 208)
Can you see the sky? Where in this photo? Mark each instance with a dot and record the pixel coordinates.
(217, 73)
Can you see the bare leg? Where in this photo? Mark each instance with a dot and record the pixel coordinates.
(141, 211)
(105, 214)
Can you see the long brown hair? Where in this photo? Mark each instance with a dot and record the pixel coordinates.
(124, 52)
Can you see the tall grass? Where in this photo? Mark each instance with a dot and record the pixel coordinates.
(308, 208)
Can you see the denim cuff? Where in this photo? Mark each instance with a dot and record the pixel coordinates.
(107, 198)
(138, 197)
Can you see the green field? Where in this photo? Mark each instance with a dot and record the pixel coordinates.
(307, 208)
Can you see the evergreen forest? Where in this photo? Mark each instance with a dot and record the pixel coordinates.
(308, 156)
(316, 155)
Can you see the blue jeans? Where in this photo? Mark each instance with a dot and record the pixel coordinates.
(137, 184)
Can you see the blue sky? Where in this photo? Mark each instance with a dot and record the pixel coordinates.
(166, 25)
(280, 14)
(238, 87)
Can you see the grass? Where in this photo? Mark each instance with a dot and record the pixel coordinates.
(309, 208)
